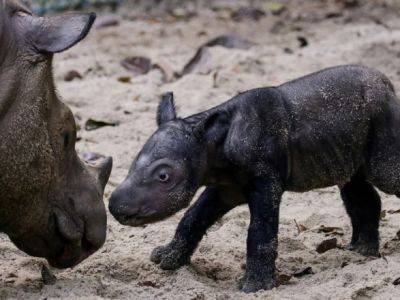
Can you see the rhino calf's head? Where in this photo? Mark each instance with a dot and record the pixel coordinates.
(51, 203)
(169, 169)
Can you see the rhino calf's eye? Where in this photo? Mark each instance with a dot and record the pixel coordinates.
(163, 177)
(20, 13)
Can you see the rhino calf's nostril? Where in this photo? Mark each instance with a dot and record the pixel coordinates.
(114, 208)
(120, 206)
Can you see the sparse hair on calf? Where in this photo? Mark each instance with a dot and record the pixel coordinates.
(337, 126)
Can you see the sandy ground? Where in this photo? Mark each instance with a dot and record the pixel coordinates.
(121, 269)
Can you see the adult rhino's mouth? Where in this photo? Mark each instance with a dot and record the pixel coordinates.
(75, 245)
(72, 254)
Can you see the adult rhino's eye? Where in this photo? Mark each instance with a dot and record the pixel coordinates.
(163, 176)
(67, 139)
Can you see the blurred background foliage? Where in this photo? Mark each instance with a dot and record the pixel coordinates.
(47, 6)
(43, 6)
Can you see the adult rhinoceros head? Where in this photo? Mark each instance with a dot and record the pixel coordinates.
(50, 202)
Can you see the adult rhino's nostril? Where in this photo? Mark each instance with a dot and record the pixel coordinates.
(88, 247)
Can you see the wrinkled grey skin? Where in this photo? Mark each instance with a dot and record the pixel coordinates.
(51, 204)
(339, 126)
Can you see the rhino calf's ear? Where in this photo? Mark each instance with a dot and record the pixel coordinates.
(213, 128)
(57, 33)
(166, 109)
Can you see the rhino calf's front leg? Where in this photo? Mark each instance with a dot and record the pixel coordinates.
(201, 216)
(263, 198)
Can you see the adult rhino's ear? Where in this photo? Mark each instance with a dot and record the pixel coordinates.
(57, 33)
(213, 128)
(166, 109)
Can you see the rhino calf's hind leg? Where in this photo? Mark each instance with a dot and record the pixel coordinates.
(363, 205)
(208, 209)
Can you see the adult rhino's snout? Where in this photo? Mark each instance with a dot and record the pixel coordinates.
(82, 221)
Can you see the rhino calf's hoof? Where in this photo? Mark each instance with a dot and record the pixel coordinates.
(169, 257)
(364, 248)
(250, 286)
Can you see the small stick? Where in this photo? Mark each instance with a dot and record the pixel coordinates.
(298, 227)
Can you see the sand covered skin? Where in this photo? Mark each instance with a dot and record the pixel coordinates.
(121, 269)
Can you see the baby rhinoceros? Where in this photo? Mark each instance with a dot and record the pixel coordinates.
(339, 126)
(51, 203)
